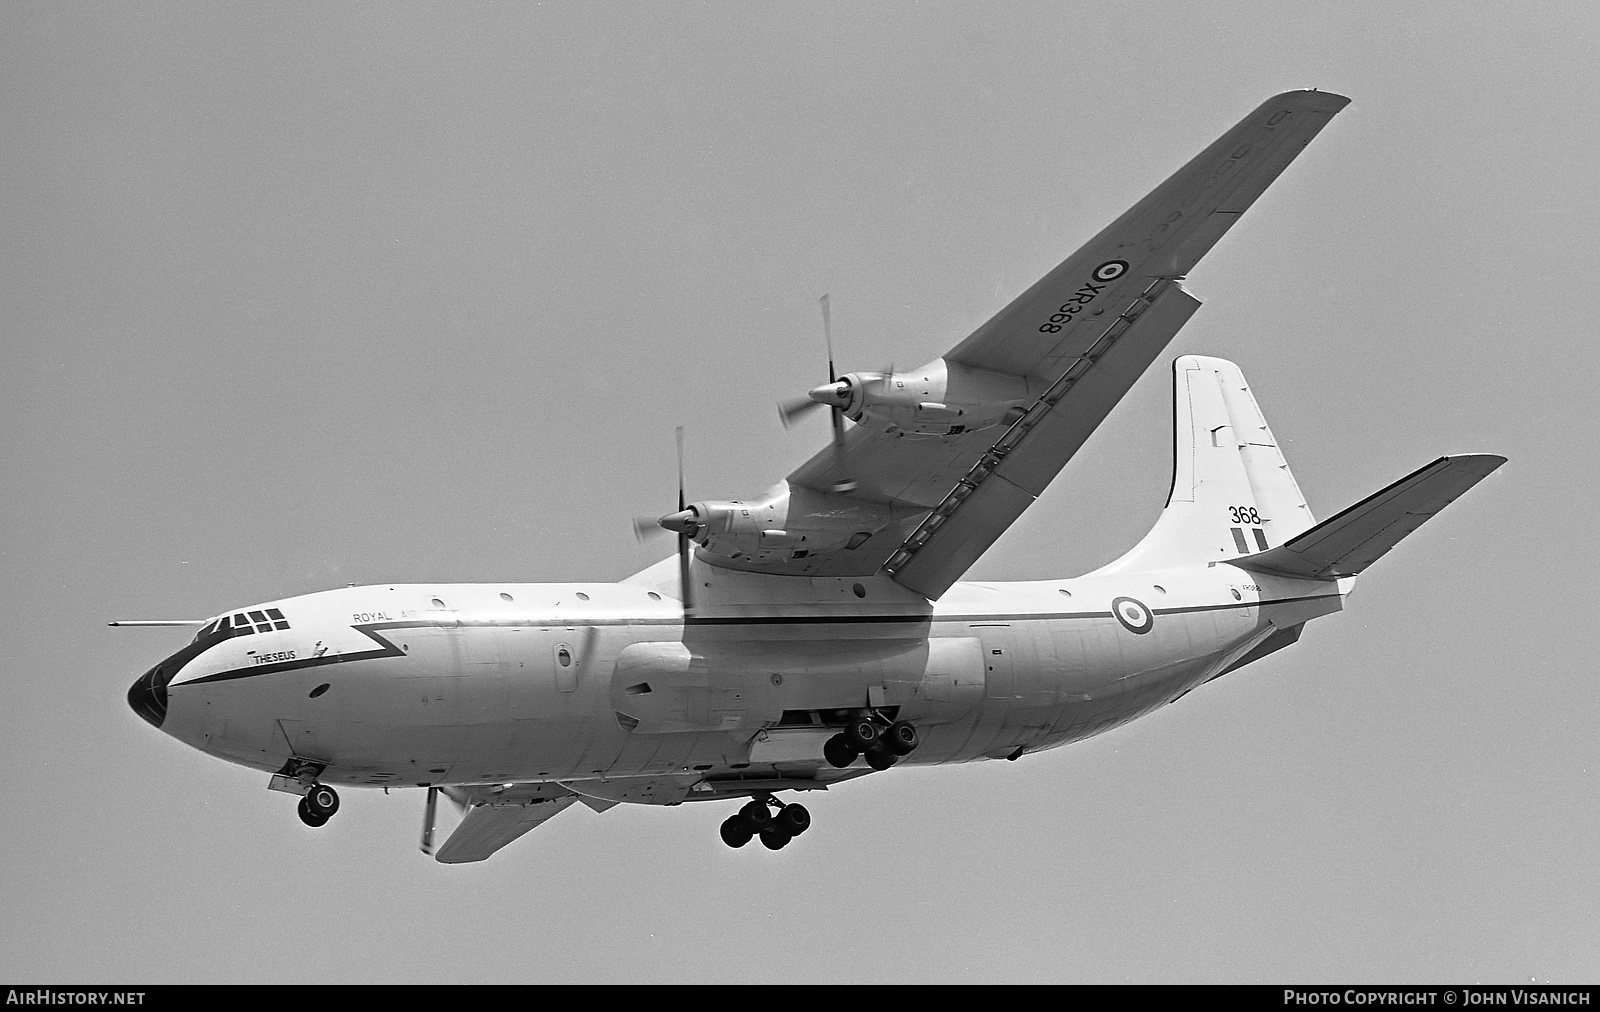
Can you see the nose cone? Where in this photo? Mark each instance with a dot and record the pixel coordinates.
(148, 697)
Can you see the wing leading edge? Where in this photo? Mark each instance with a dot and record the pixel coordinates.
(1073, 344)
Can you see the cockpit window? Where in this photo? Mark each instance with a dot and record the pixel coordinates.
(266, 620)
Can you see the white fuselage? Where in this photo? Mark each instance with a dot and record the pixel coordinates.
(413, 685)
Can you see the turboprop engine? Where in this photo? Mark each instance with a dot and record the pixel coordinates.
(788, 523)
(939, 399)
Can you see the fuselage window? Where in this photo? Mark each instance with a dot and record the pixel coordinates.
(438, 603)
(506, 598)
(564, 657)
(582, 596)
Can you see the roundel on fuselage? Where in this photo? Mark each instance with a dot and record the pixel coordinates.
(1133, 615)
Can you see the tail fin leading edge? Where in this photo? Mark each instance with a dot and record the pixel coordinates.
(1346, 544)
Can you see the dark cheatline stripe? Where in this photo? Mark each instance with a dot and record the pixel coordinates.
(1238, 540)
(385, 649)
(804, 619)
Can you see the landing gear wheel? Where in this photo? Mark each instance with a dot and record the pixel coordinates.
(309, 817)
(860, 734)
(322, 800)
(756, 817)
(880, 759)
(901, 738)
(793, 820)
(838, 753)
(775, 839)
(735, 833)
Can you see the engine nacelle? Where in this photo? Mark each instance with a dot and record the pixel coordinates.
(940, 399)
(785, 525)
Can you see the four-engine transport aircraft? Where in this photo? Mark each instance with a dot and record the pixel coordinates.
(818, 632)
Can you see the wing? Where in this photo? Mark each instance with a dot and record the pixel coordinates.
(929, 499)
(1162, 236)
(498, 815)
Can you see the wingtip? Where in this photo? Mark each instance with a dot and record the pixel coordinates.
(1326, 101)
(1488, 461)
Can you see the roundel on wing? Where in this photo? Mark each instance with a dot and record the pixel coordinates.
(1111, 270)
(1133, 615)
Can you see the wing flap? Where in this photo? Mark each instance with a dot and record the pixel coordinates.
(1345, 544)
(1034, 450)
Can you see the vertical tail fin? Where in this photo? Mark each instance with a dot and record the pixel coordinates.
(1232, 492)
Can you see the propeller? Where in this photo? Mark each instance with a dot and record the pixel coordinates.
(831, 394)
(834, 394)
(685, 523)
(429, 811)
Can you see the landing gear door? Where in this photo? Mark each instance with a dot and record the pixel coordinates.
(949, 686)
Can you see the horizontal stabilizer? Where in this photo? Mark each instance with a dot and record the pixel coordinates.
(1346, 544)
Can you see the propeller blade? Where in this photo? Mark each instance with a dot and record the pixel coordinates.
(430, 810)
(827, 335)
(683, 503)
(792, 411)
(647, 529)
(685, 586)
(844, 484)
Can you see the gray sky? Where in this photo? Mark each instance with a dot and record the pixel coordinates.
(297, 297)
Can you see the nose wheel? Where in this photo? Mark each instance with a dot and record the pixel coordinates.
(756, 819)
(318, 805)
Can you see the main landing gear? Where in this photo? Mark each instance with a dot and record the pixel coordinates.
(882, 746)
(318, 805)
(775, 830)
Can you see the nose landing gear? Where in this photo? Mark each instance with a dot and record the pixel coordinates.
(318, 805)
(299, 776)
(755, 820)
(883, 747)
